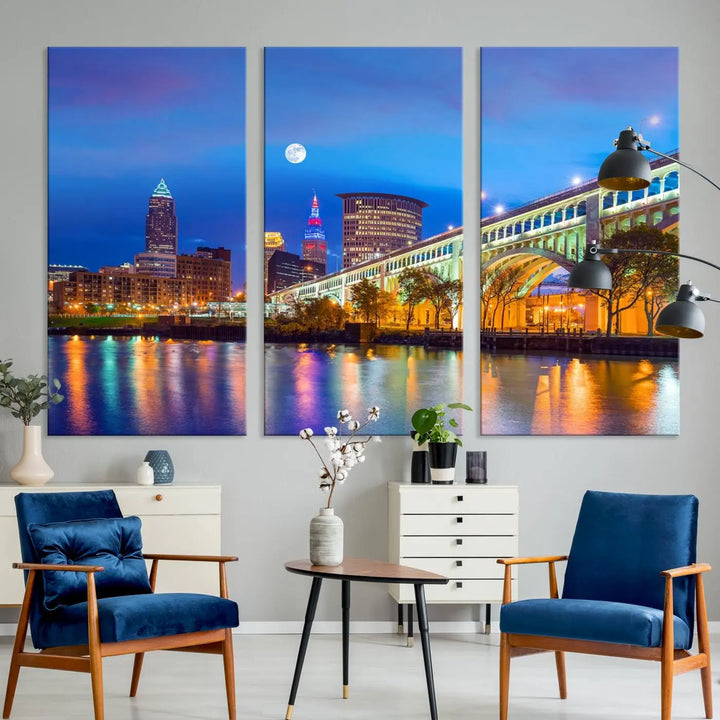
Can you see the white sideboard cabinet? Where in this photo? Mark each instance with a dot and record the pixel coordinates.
(176, 518)
(457, 530)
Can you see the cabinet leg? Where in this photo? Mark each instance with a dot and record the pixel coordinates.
(410, 638)
(487, 618)
(400, 624)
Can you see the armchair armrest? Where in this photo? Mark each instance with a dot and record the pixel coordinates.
(67, 568)
(197, 558)
(693, 569)
(221, 559)
(509, 562)
(527, 560)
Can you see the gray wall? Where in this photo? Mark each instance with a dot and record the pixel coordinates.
(269, 484)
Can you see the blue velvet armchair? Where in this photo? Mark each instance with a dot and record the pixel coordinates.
(631, 589)
(88, 594)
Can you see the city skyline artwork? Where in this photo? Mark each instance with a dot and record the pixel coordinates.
(363, 234)
(146, 240)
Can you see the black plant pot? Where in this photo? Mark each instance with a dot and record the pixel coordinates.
(420, 466)
(442, 462)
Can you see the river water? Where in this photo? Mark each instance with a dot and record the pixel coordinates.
(153, 386)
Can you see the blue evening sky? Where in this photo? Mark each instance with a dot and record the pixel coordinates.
(551, 114)
(372, 120)
(122, 118)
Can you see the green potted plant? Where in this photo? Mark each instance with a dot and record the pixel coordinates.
(26, 398)
(429, 426)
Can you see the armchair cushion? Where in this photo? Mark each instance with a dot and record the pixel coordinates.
(133, 617)
(598, 620)
(113, 543)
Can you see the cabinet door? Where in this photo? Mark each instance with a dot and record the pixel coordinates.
(184, 535)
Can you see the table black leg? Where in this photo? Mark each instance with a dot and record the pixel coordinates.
(346, 636)
(425, 640)
(410, 638)
(307, 627)
(487, 618)
(401, 629)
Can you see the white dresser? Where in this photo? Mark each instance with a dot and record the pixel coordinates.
(176, 518)
(455, 530)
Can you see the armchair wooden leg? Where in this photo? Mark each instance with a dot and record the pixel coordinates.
(19, 645)
(704, 645)
(137, 668)
(560, 665)
(504, 675)
(229, 665)
(96, 673)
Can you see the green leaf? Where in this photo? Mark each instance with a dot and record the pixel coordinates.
(459, 406)
(423, 420)
(453, 422)
(56, 383)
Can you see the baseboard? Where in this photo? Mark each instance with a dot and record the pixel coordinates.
(333, 627)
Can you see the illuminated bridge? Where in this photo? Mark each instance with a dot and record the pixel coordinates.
(538, 237)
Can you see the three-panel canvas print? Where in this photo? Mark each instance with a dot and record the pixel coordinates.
(362, 252)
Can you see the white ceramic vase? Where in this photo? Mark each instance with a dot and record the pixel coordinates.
(326, 538)
(145, 474)
(32, 468)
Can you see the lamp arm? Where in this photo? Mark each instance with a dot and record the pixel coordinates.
(643, 145)
(595, 250)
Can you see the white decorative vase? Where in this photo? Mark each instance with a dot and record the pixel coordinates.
(32, 468)
(326, 538)
(145, 474)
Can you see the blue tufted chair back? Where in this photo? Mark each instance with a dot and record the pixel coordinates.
(623, 541)
(42, 507)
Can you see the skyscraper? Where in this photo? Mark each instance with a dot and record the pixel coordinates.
(160, 222)
(375, 224)
(314, 246)
(273, 241)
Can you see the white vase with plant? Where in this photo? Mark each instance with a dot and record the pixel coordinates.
(26, 398)
(346, 452)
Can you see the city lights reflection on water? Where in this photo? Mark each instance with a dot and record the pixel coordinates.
(138, 385)
(549, 395)
(306, 384)
(147, 386)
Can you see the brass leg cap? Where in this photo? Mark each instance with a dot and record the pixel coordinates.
(346, 691)
(411, 642)
(288, 714)
(401, 630)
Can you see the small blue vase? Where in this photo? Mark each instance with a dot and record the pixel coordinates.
(162, 466)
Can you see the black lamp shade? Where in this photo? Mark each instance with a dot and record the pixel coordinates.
(590, 274)
(682, 318)
(626, 168)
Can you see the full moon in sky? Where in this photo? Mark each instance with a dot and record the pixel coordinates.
(295, 153)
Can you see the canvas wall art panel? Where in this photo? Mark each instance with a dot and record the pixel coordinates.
(146, 240)
(363, 234)
(556, 360)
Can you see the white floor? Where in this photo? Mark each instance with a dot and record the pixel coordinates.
(386, 681)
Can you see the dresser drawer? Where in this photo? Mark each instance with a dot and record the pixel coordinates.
(458, 499)
(168, 500)
(472, 568)
(472, 592)
(448, 546)
(458, 525)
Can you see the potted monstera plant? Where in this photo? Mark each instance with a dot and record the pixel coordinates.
(442, 442)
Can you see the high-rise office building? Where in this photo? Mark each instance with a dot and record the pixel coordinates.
(273, 241)
(160, 222)
(314, 245)
(286, 269)
(375, 224)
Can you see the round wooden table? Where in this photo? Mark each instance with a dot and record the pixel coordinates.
(362, 570)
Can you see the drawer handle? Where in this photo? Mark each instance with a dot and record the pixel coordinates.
(159, 497)
(459, 519)
(458, 563)
(458, 541)
(459, 498)
(458, 584)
